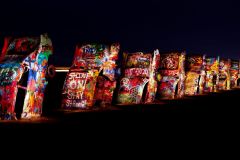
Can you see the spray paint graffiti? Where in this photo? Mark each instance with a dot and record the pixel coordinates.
(31, 53)
(212, 74)
(234, 73)
(131, 90)
(77, 87)
(169, 61)
(172, 76)
(140, 69)
(195, 74)
(92, 77)
(38, 63)
(224, 74)
(104, 91)
(11, 72)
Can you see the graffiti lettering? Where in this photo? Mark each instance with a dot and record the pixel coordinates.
(170, 61)
(142, 59)
(75, 75)
(75, 103)
(75, 95)
(7, 76)
(138, 61)
(137, 72)
(89, 50)
(195, 60)
(76, 84)
(109, 71)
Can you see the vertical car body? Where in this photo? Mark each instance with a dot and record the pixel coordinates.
(224, 74)
(234, 73)
(18, 56)
(212, 74)
(172, 75)
(195, 74)
(91, 78)
(138, 83)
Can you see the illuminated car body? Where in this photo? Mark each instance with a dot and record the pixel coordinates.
(138, 76)
(212, 74)
(91, 77)
(19, 55)
(234, 73)
(172, 75)
(195, 74)
(224, 74)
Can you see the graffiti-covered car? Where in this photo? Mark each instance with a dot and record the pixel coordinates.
(195, 74)
(171, 75)
(138, 76)
(19, 56)
(224, 74)
(92, 76)
(234, 73)
(212, 74)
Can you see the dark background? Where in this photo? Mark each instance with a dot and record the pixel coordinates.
(209, 27)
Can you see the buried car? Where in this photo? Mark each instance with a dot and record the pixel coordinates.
(212, 74)
(195, 74)
(92, 76)
(171, 75)
(234, 73)
(224, 74)
(138, 83)
(21, 56)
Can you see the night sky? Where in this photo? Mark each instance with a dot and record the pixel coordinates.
(207, 27)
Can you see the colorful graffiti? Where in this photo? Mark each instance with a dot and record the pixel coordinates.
(22, 53)
(92, 77)
(212, 74)
(131, 90)
(79, 89)
(139, 74)
(169, 61)
(234, 73)
(224, 74)
(104, 91)
(172, 76)
(38, 63)
(195, 74)
(136, 61)
(11, 71)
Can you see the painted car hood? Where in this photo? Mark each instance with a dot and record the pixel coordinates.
(191, 83)
(131, 90)
(167, 86)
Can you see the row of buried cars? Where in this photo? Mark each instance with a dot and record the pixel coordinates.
(95, 78)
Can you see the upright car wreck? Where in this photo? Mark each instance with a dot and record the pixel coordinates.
(171, 75)
(138, 83)
(224, 74)
(234, 73)
(92, 76)
(212, 74)
(21, 56)
(195, 74)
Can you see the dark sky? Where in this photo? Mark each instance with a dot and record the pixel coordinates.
(210, 27)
